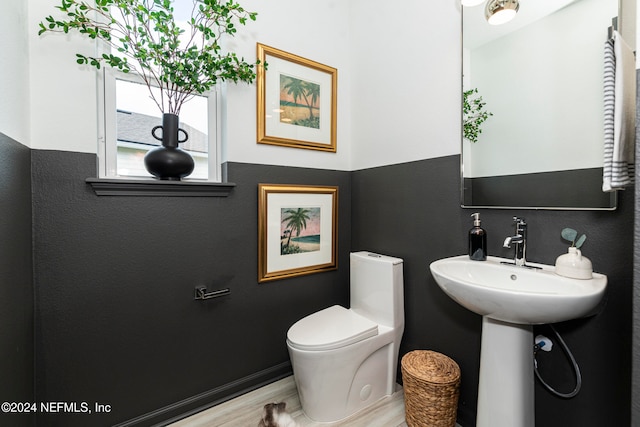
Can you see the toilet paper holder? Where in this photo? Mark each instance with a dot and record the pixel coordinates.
(202, 294)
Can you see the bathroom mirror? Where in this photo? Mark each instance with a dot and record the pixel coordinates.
(540, 76)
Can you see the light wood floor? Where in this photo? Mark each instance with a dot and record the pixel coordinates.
(246, 410)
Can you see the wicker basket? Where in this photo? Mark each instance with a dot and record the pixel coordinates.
(431, 388)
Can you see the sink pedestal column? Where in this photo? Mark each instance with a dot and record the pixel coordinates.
(506, 383)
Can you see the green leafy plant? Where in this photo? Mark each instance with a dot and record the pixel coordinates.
(473, 115)
(570, 234)
(145, 38)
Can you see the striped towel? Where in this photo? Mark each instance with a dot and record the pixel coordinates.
(619, 115)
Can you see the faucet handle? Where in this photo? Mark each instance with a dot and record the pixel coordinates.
(519, 220)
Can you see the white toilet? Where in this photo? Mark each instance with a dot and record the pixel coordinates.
(344, 360)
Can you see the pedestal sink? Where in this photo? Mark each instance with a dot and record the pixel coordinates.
(510, 300)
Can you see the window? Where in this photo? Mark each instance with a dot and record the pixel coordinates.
(127, 114)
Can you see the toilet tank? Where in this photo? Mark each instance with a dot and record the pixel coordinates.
(377, 288)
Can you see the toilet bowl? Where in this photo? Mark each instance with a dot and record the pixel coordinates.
(346, 359)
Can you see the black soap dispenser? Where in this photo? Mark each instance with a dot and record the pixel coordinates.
(477, 240)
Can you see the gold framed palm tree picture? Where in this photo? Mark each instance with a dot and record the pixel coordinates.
(296, 101)
(297, 230)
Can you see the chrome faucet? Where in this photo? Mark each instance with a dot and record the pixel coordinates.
(520, 239)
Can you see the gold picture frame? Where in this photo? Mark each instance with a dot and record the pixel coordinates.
(296, 101)
(297, 230)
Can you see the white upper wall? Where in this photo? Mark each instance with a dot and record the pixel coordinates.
(316, 30)
(406, 80)
(63, 94)
(14, 71)
(398, 80)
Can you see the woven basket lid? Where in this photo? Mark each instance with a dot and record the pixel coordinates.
(431, 366)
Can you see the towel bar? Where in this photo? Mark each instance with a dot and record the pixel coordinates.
(613, 27)
(202, 294)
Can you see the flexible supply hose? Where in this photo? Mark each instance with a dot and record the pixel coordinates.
(573, 362)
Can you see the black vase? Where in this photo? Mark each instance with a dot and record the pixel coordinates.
(169, 162)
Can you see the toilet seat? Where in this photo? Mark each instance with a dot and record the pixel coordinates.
(331, 328)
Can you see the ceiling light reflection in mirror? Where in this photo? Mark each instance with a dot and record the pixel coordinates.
(498, 12)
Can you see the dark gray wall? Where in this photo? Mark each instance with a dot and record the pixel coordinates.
(115, 277)
(16, 290)
(413, 211)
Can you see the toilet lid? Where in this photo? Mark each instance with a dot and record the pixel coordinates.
(333, 327)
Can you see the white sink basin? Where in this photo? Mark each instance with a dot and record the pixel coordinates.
(511, 299)
(517, 294)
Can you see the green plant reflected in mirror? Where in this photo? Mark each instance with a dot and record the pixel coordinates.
(473, 114)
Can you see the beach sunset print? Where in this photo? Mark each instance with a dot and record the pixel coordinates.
(299, 230)
(299, 102)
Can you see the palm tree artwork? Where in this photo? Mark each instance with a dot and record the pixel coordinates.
(299, 102)
(301, 230)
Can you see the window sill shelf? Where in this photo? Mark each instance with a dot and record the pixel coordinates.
(127, 187)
